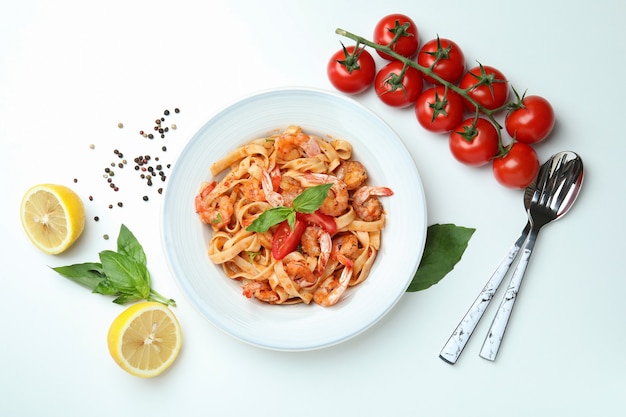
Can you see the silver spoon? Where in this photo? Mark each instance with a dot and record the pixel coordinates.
(454, 346)
(557, 188)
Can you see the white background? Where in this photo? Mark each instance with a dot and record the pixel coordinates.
(71, 70)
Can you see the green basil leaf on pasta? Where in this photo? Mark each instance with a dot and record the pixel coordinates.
(311, 199)
(271, 218)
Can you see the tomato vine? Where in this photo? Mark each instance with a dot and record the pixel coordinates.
(483, 90)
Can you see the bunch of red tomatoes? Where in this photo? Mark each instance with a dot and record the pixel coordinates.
(448, 98)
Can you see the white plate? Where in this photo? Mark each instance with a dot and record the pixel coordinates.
(295, 327)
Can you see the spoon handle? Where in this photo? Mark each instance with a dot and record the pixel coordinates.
(495, 335)
(461, 335)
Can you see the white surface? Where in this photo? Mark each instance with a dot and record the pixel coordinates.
(296, 327)
(71, 70)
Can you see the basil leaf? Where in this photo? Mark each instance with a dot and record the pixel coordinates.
(127, 244)
(106, 287)
(270, 218)
(291, 219)
(445, 245)
(126, 298)
(311, 199)
(88, 274)
(126, 273)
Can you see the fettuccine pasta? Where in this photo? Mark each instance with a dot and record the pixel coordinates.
(326, 251)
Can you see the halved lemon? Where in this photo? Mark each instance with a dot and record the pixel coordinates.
(145, 339)
(53, 217)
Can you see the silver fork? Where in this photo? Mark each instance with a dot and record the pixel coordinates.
(555, 192)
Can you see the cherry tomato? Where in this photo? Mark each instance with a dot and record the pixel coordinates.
(396, 89)
(438, 110)
(532, 122)
(487, 85)
(286, 240)
(350, 70)
(518, 167)
(325, 221)
(401, 28)
(474, 142)
(444, 57)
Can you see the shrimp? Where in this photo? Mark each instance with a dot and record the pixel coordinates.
(290, 188)
(216, 211)
(330, 291)
(252, 190)
(344, 249)
(353, 173)
(316, 242)
(261, 290)
(366, 205)
(293, 144)
(271, 196)
(298, 270)
(336, 202)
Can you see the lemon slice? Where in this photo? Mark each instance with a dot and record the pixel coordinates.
(53, 217)
(145, 339)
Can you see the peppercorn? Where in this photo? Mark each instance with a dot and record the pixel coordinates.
(145, 198)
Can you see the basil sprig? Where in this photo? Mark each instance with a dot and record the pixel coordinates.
(122, 273)
(306, 202)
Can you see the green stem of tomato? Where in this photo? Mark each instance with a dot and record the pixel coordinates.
(489, 114)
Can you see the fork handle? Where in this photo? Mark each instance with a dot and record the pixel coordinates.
(496, 332)
(461, 335)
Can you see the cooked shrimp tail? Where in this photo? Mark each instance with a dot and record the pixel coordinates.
(271, 196)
